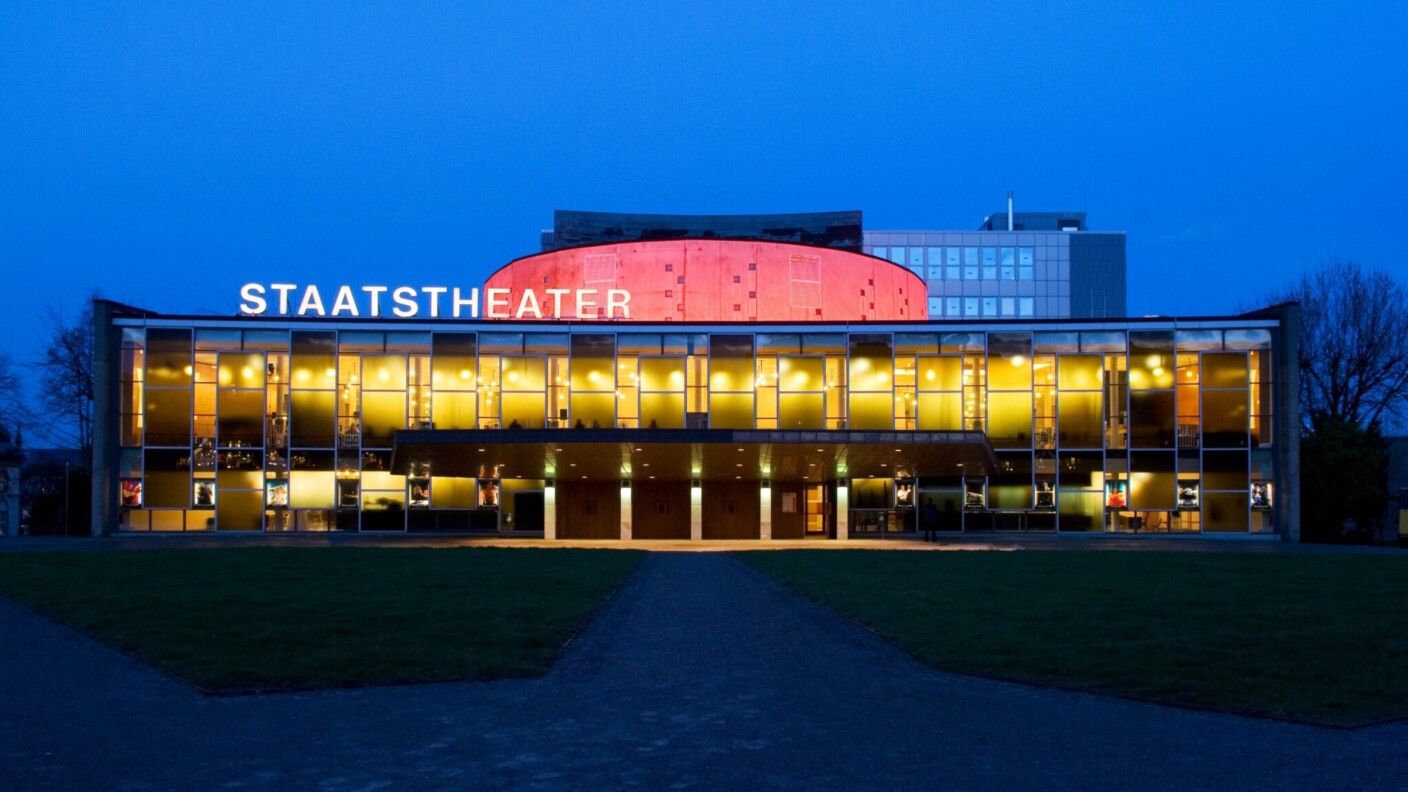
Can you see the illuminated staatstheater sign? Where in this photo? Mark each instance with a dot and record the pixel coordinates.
(405, 302)
(675, 280)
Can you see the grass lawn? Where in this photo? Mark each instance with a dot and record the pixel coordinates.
(243, 619)
(1319, 638)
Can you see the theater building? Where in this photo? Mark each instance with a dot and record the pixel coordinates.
(692, 389)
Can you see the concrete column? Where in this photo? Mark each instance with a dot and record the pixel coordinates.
(625, 511)
(1286, 414)
(550, 511)
(107, 370)
(765, 511)
(696, 512)
(843, 510)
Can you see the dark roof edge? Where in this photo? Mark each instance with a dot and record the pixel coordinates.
(123, 309)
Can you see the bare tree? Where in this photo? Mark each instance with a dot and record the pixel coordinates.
(1353, 346)
(1353, 384)
(66, 376)
(12, 405)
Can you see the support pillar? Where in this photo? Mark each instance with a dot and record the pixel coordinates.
(843, 509)
(1286, 415)
(107, 369)
(550, 511)
(696, 511)
(765, 511)
(625, 510)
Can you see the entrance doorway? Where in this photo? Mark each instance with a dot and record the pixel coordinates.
(814, 525)
(528, 511)
(521, 506)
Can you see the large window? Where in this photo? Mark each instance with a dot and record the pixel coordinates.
(871, 382)
(801, 388)
(454, 381)
(731, 371)
(594, 394)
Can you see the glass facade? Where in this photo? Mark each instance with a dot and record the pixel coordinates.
(1152, 427)
(1011, 274)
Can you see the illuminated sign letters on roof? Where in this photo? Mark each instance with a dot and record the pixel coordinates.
(406, 302)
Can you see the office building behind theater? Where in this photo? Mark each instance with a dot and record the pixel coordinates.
(759, 378)
(1015, 265)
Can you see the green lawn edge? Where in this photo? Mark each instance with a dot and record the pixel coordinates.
(242, 620)
(1310, 638)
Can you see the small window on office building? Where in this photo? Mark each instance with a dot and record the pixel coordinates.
(1009, 306)
(897, 255)
(989, 306)
(954, 308)
(936, 307)
(970, 306)
(1025, 306)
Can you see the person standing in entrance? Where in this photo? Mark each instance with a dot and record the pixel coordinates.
(931, 520)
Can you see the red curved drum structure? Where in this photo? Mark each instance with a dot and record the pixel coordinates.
(705, 281)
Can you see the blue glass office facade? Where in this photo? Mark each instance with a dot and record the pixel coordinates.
(1012, 274)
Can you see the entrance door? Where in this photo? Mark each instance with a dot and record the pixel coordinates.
(528, 511)
(815, 524)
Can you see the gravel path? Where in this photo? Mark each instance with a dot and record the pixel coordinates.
(699, 674)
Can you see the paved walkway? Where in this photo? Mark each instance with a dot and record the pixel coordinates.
(971, 541)
(699, 674)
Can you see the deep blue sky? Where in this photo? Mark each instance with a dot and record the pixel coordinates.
(166, 153)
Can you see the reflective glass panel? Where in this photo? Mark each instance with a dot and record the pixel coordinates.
(662, 374)
(382, 415)
(1080, 372)
(940, 373)
(1225, 512)
(314, 361)
(730, 411)
(241, 370)
(800, 411)
(312, 419)
(872, 411)
(1151, 361)
(1151, 419)
(1224, 370)
(453, 361)
(1010, 419)
(1153, 480)
(1080, 419)
(940, 412)
(168, 357)
(662, 410)
(594, 410)
(1225, 419)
